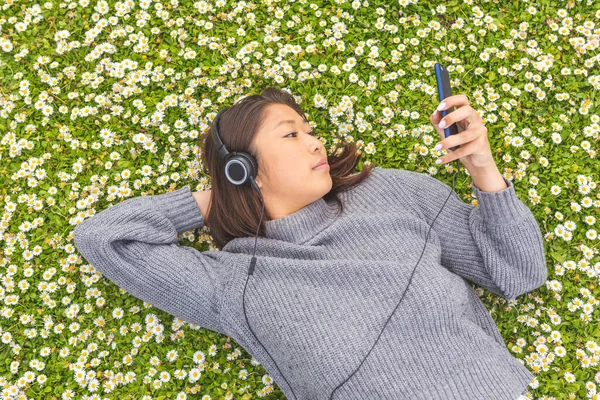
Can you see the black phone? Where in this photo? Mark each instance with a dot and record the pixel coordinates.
(444, 90)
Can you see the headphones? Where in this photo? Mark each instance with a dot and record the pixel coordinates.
(241, 168)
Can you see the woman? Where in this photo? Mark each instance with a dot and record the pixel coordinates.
(336, 253)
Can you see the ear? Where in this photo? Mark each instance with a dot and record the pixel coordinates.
(258, 182)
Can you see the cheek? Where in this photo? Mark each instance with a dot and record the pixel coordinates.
(293, 178)
(287, 172)
(287, 165)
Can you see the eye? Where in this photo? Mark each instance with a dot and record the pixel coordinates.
(312, 133)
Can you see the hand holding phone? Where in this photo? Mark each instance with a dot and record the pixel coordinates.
(477, 152)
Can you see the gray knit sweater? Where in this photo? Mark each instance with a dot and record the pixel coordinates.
(325, 285)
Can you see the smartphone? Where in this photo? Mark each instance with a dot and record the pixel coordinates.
(444, 90)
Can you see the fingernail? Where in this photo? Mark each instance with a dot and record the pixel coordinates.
(438, 161)
(441, 106)
(434, 113)
(442, 123)
(438, 147)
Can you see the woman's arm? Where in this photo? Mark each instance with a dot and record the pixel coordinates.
(496, 245)
(134, 244)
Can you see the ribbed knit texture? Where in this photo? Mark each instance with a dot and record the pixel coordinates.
(325, 284)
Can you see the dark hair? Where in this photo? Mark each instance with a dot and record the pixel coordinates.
(235, 211)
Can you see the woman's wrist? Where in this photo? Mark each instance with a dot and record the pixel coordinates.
(203, 199)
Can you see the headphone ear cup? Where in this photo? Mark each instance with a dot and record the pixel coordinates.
(239, 167)
(253, 165)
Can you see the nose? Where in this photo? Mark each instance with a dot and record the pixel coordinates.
(318, 144)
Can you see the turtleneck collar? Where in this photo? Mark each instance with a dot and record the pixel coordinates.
(303, 224)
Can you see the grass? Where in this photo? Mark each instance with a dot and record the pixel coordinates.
(102, 101)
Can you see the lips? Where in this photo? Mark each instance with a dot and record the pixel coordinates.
(321, 162)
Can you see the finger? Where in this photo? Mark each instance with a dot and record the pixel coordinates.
(463, 123)
(435, 117)
(449, 102)
(458, 100)
(459, 117)
(435, 120)
(468, 135)
(460, 114)
(462, 151)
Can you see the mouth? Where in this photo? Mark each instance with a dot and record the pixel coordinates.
(321, 163)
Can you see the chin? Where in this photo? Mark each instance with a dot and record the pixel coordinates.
(330, 185)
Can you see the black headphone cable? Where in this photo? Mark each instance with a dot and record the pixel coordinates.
(253, 264)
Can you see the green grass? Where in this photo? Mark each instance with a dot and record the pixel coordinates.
(86, 108)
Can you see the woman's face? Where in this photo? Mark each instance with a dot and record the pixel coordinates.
(286, 154)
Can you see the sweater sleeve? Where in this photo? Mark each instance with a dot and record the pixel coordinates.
(134, 244)
(496, 245)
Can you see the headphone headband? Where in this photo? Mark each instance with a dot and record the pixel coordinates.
(221, 148)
